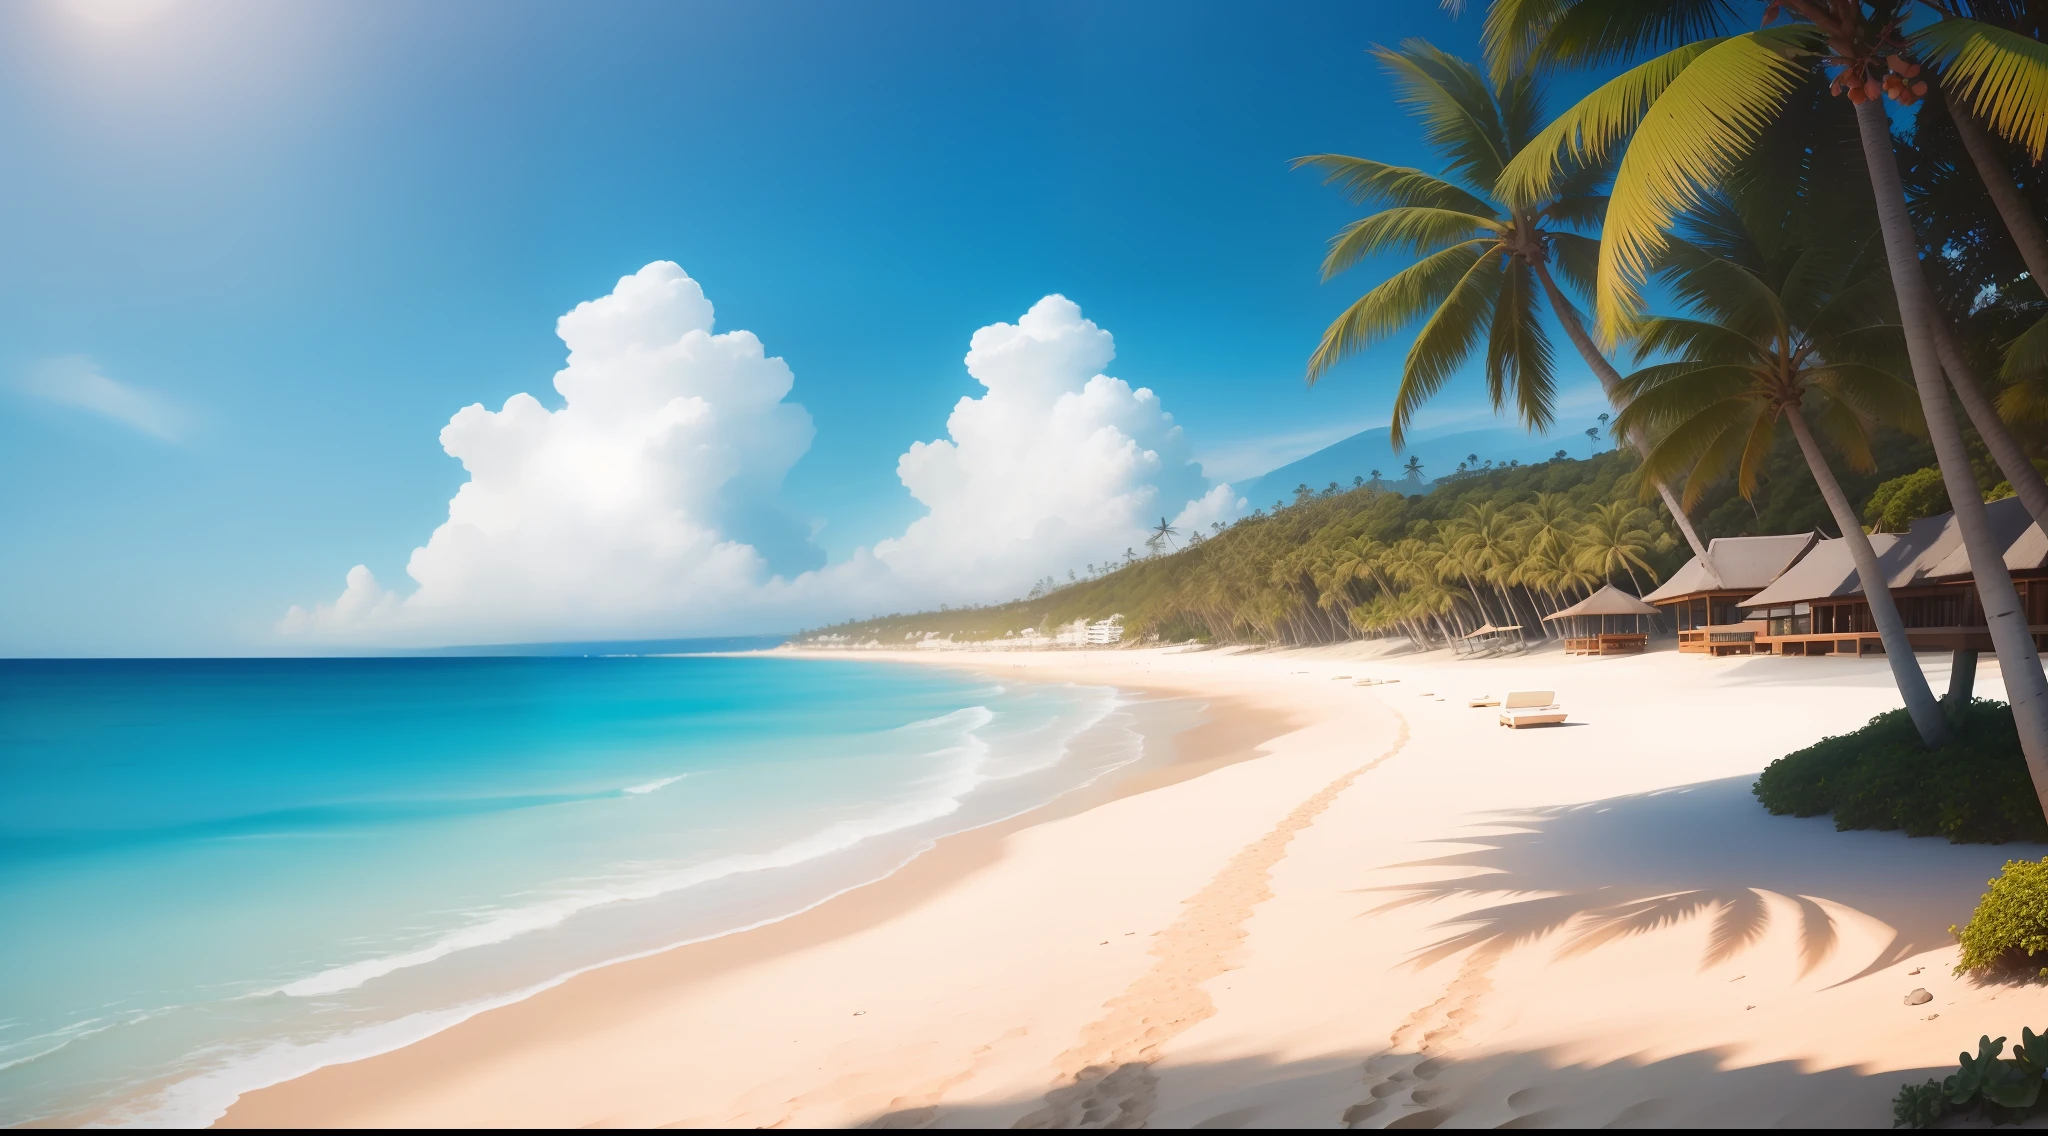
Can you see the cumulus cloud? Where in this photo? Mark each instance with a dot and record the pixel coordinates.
(643, 505)
(76, 381)
(648, 505)
(1056, 465)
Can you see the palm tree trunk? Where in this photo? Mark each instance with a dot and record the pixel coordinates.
(2012, 208)
(1610, 381)
(2005, 449)
(1507, 601)
(1898, 650)
(2004, 617)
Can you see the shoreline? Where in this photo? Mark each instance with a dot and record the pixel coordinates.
(1229, 732)
(1400, 914)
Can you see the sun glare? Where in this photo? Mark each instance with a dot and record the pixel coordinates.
(116, 14)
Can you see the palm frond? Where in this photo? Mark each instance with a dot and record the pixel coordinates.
(1445, 341)
(1580, 210)
(1732, 292)
(1512, 30)
(2026, 358)
(1756, 452)
(1518, 352)
(1591, 32)
(1862, 306)
(1664, 395)
(2003, 74)
(1723, 433)
(2025, 401)
(1591, 130)
(1847, 433)
(1577, 260)
(1397, 301)
(1879, 347)
(1875, 393)
(1520, 99)
(1698, 340)
(1695, 132)
(1686, 448)
(1406, 229)
(1366, 182)
(1457, 109)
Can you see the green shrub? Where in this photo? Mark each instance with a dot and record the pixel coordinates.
(2003, 1089)
(1917, 1106)
(1902, 500)
(2010, 919)
(1975, 790)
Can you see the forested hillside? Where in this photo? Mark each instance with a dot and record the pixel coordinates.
(1504, 546)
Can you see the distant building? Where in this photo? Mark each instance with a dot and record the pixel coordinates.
(1106, 631)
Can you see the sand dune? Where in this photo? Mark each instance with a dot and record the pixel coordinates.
(1397, 914)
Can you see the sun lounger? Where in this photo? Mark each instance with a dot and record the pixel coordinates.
(1530, 708)
(1483, 700)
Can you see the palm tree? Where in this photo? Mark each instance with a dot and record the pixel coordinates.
(1162, 537)
(1613, 539)
(1789, 315)
(2013, 211)
(1987, 84)
(1694, 112)
(1483, 536)
(1483, 262)
(1413, 470)
(1546, 528)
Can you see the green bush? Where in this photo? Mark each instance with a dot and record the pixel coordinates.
(1902, 500)
(1975, 790)
(2010, 919)
(2003, 1089)
(1917, 1106)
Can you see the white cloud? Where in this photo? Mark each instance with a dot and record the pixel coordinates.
(1057, 465)
(648, 505)
(76, 381)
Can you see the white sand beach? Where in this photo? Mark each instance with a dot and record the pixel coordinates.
(1392, 912)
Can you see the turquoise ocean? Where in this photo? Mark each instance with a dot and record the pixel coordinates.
(217, 874)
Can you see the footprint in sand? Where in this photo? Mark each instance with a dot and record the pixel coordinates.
(1399, 1095)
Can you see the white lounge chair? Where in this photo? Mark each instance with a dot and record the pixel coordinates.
(1531, 708)
(1479, 700)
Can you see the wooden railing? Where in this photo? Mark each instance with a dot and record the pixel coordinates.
(1622, 643)
(1720, 639)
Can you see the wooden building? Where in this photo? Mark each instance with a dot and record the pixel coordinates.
(1594, 623)
(1704, 598)
(1816, 607)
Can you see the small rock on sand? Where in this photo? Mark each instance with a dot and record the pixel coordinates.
(1919, 997)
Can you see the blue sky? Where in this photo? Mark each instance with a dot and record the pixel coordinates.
(308, 233)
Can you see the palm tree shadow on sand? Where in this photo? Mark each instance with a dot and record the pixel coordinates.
(1595, 873)
(1536, 1088)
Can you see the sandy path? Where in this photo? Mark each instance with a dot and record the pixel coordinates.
(1106, 1080)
